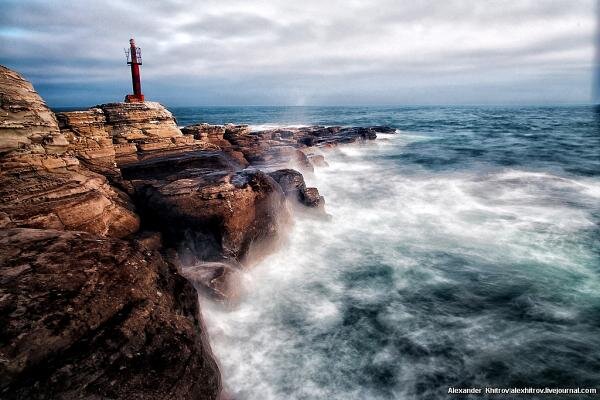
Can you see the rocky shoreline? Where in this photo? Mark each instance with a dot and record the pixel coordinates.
(113, 218)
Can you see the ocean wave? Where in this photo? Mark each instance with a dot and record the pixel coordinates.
(424, 278)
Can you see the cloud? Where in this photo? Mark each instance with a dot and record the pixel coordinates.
(282, 52)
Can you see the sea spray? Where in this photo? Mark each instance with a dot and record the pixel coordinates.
(434, 272)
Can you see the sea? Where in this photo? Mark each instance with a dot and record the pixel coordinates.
(462, 252)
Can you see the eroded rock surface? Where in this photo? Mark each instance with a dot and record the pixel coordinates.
(90, 140)
(237, 215)
(68, 197)
(41, 185)
(89, 317)
(26, 123)
(292, 184)
(125, 133)
(213, 136)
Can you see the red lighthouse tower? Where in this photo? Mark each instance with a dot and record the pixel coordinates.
(134, 58)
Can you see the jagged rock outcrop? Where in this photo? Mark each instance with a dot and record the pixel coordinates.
(292, 184)
(236, 215)
(41, 185)
(89, 317)
(212, 134)
(300, 137)
(281, 148)
(265, 149)
(220, 211)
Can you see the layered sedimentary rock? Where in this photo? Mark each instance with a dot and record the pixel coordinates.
(89, 140)
(131, 121)
(26, 123)
(41, 185)
(213, 136)
(125, 133)
(65, 197)
(89, 317)
(85, 316)
(111, 135)
(146, 127)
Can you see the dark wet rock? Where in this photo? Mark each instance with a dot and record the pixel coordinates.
(243, 212)
(359, 132)
(312, 198)
(218, 280)
(313, 136)
(234, 131)
(294, 187)
(176, 165)
(150, 240)
(383, 129)
(90, 317)
(291, 181)
(279, 148)
(308, 141)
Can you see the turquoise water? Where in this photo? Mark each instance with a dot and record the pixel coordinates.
(463, 252)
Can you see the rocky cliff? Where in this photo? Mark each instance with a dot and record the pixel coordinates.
(26, 121)
(42, 185)
(117, 134)
(102, 214)
(83, 316)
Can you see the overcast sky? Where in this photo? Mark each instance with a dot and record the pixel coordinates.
(305, 52)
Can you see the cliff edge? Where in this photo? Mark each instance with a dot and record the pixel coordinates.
(84, 314)
(113, 219)
(41, 184)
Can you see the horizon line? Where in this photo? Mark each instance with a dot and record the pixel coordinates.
(591, 104)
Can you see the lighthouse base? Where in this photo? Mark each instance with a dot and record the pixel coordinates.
(134, 98)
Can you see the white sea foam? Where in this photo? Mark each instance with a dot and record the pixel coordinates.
(394, 237)
(265, 127)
